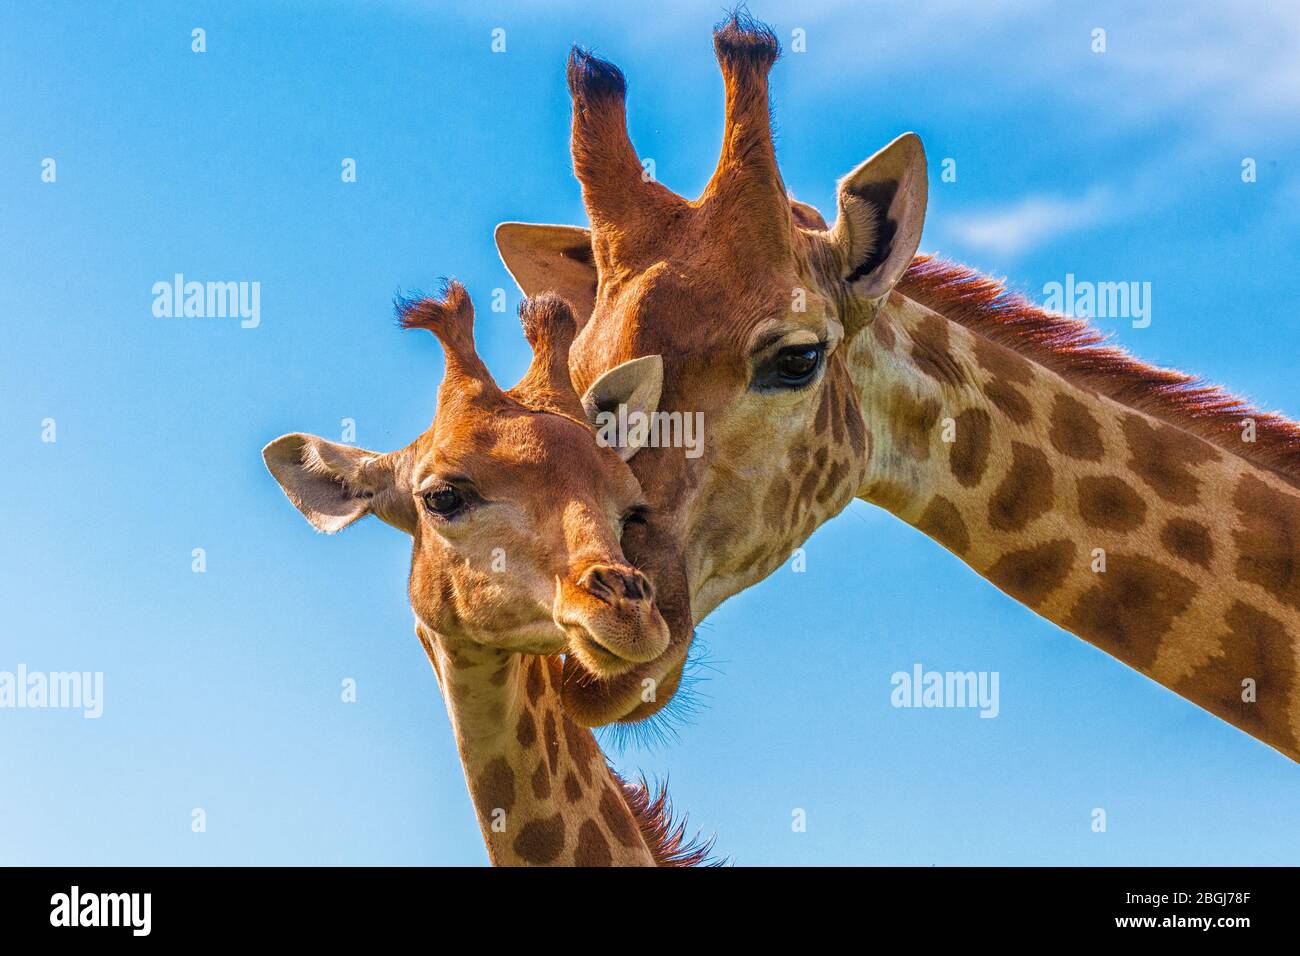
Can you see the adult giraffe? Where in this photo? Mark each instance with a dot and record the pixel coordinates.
(515, 513)
(1118, 500)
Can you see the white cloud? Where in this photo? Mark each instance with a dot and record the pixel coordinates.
(1010, 230)
(1232, 66)
(1236, 64)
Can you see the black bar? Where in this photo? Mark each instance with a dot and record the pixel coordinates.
(334, 905)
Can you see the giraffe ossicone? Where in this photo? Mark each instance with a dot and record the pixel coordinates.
(519, 473)
(1062, 448)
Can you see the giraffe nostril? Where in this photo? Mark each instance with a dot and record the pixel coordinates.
(637, 586)
(601, 583)
(613, 584)
(595, 581)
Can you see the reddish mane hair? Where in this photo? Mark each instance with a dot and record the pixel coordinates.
(667, 838)
(1079, 352)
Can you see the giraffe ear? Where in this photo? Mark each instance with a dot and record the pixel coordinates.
(620, 403)
(881, 212)
(551, 259)
(335, 485)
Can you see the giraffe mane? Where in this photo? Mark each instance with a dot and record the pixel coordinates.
(667, 837)
(1080, 352)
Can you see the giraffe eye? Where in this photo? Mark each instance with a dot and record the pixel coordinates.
(791, 368)
(636, 515)
(797, 366)
(445, 501)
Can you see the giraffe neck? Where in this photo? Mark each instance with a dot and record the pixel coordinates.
(1165, 550)
(541, 788)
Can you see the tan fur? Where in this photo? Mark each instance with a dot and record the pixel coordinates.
(1079, 351)
(1200, 542)
(1060, 446)
(515, 514)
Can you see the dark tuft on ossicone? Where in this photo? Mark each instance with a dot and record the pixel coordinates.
(449, 315)
(591, 77)
(740, 40)
(548, 318)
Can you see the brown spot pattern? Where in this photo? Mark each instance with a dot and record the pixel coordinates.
(534, 685)
(572, 790)
(1133, 604)
(893, 496)
(972, 439)
(1162, 456)
(552, 741)
(1025, 492)
(526, 730)
(942, 521)
(1255, 646)
(541, 782)
(494, 787)
(541, 841)
(592, 848)
(853, 419)
(1005, 364)
(617, 818)
(1268, 540)
(1030, 574)
(1074, 432)
(581, 746)
(753, 559)
(834, 479)
(930, 351)
(837, 418)
(1108, 502)
(883, 332)
(776, 501)
(806, 488)
(1009, 401)
(912, 423)
(1189, 540)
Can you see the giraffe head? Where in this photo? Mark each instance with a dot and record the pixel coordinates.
(749, 297)
(514, 509)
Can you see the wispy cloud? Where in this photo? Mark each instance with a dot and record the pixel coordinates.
(1231, 65)
(1235, 66)
(1008, 231)
(1179, 90)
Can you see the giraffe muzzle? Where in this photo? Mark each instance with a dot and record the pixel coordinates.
(593, 699)
(609, 618)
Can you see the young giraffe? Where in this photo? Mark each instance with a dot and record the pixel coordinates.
(515, 514)
(1117, 500)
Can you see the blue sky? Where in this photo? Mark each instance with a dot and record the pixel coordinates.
(221, 689)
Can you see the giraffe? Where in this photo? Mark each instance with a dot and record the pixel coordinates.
(515, 514)
(1154, 516)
